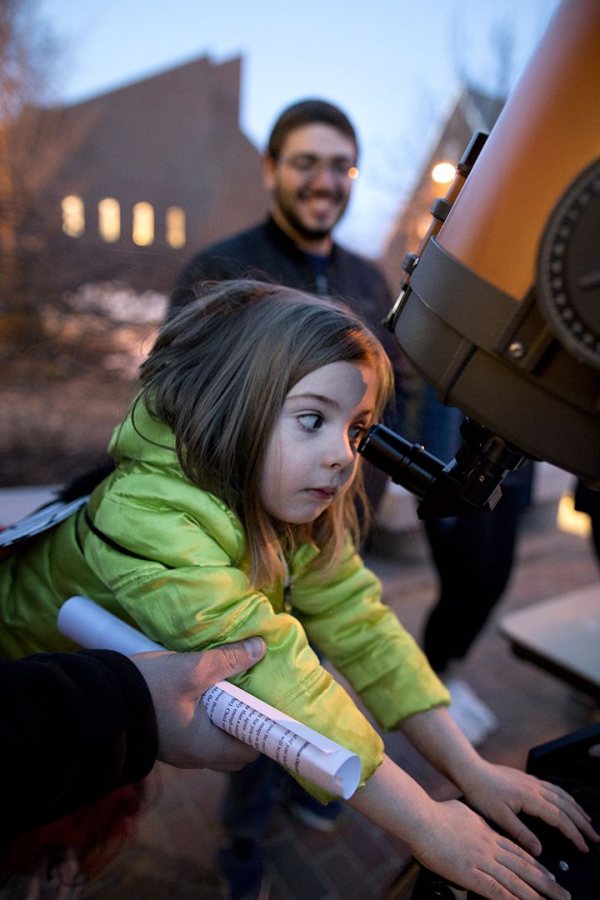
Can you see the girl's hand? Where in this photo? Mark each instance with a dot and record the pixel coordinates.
(500, 793)
(458, 845)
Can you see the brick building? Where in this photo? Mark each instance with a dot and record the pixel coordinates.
(131, 182)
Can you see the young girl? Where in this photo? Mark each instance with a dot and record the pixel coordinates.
(231, 513)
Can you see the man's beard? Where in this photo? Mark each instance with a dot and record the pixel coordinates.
(313, 233)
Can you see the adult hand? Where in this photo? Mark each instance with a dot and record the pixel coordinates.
(186, 736)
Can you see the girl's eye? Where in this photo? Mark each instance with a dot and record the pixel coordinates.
(311, 421)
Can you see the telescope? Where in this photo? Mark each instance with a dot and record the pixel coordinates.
(499, 307)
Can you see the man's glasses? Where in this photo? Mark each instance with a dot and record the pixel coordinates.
(308, 164)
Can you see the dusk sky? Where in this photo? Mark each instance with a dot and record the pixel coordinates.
(395, 66)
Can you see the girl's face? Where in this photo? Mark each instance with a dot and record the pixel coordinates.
(311, 458)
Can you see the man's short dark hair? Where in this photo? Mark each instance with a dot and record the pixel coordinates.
(308, 112)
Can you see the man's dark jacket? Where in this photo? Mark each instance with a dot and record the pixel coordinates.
(73, 727)
(266, 253)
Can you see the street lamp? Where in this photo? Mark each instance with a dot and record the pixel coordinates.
(443, 172)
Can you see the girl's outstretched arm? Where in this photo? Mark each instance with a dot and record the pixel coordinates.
(499, 793)
(451, 840)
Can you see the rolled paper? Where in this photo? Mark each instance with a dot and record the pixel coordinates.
(295, 746)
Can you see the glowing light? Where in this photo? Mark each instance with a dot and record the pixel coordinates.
(571, 520)
(175, 227)
(109, 219)
(73, 216)
(352, 172)
(143, 224)
(443, 173)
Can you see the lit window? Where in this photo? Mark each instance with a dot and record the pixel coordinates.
(73, 217)
(175, 227)
(143, 224)
(109, 219)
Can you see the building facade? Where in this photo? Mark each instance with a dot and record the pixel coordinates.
(132, 182)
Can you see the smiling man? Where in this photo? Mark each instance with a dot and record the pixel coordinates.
(309, 168)
(309, 175)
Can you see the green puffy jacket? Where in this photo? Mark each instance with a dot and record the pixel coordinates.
(184, 582)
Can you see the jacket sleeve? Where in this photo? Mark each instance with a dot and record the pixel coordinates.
(73, 727)
(363, 638)
(199, 596)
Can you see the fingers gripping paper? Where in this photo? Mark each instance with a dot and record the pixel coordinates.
(290, 743)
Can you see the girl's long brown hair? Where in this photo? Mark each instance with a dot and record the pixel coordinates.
(219, 374)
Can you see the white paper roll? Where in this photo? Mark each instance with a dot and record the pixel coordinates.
(290, 743)
(90, 625)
